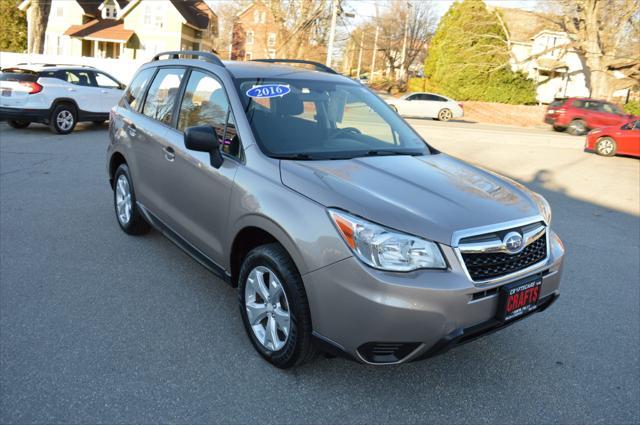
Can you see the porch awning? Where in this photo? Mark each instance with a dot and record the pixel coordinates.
(101, 30)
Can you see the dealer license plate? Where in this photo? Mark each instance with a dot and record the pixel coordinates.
(519, 298)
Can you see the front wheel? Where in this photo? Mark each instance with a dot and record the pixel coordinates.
(19, 124)
(128, 213)
(274, 307)
(606, 146)
(445, 115)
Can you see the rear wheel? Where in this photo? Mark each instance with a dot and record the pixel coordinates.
(274, 307)
(577, 128)
(445, 115)
(606, 146)
(19, 124)
(63, 118)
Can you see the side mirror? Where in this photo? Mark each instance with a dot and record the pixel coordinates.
(203, 138)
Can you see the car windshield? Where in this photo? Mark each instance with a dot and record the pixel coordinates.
(303, 119)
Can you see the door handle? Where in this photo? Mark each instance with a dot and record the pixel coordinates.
(169, 153)
(104, 91)
(71, 89)
(131, 128)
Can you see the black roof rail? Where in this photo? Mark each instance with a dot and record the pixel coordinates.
(317, 65)
(208, 57)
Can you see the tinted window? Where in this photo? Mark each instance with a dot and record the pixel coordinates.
(636, 126)
(578, 103)
(79, 78)
(105, 81)
(162, 95)
(414, 97)
(610, 108)
(592, 106)
(205, 103)
(560, 102)
(135, 91)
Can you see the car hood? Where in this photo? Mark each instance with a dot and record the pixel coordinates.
(430, 196)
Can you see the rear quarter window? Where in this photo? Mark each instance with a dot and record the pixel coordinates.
(559, 102)
(18, 76)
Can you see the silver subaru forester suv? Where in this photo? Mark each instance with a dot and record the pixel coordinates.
(342, 229)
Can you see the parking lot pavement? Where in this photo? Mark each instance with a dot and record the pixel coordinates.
(100, 327)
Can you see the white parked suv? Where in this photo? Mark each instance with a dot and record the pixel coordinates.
(427, 105)
(60, 96)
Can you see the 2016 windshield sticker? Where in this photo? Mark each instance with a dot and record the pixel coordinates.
(268, 90)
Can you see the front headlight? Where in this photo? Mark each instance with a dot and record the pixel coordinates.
(544, 207)
(386, 249)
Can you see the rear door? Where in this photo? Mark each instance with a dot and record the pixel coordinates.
(110, 91)
(151, 149)
(197, 193)
(82, 88)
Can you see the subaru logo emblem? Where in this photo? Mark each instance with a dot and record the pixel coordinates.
(513, 242)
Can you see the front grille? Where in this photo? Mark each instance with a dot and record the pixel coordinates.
(492, 265)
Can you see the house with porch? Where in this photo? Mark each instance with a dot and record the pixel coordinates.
(127, 29)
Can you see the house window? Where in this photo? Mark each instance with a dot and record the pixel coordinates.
(147, 14)
(272, 53)
(110, 12)
(256, 17)
(249, 37)
(271, 41)
(154, 15)
(248, 56)
(263, 17)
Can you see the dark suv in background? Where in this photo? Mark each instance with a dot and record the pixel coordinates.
(579, 115)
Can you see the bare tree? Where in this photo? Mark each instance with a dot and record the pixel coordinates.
(421, 21)
(303, 26)
(37, 17)
(607, 34)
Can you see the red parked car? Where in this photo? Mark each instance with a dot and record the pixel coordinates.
(578, 115)
(608, 141)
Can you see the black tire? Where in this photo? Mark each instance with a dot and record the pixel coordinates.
(445, 115)
(606, 146)
(136, 224)
(577, 128)
(63, 110)
(19, 124)
(558, 128)
(298, 347)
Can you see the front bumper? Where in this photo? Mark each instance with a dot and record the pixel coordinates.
(19, 114)
(367, 314)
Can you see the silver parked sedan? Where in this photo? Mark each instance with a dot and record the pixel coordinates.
(427, 105)
(341, 228)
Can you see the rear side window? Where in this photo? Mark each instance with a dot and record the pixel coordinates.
(79, 78)
(162, 95)
(205, 103)
(135, 91)
(103, 80)
(578, 104)
(18, 76)
(636, 125)
(560, 102)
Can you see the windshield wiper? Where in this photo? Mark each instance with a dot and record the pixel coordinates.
(298, 156)
(389, 153)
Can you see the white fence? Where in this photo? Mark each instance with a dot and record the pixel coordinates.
(123, 70)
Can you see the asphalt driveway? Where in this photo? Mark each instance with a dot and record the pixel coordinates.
(100, 327)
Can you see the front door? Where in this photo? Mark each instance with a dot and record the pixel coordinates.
(197, 192)
(110, 91)
(152, 151)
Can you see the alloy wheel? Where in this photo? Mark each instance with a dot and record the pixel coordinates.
(267, 308)
(445, 115)
(123, 199)
(64, 120)
(605, 147)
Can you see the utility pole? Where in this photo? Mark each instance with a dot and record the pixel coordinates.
(332, 31)
(404, 42)
(375, 48)
(360, 54)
